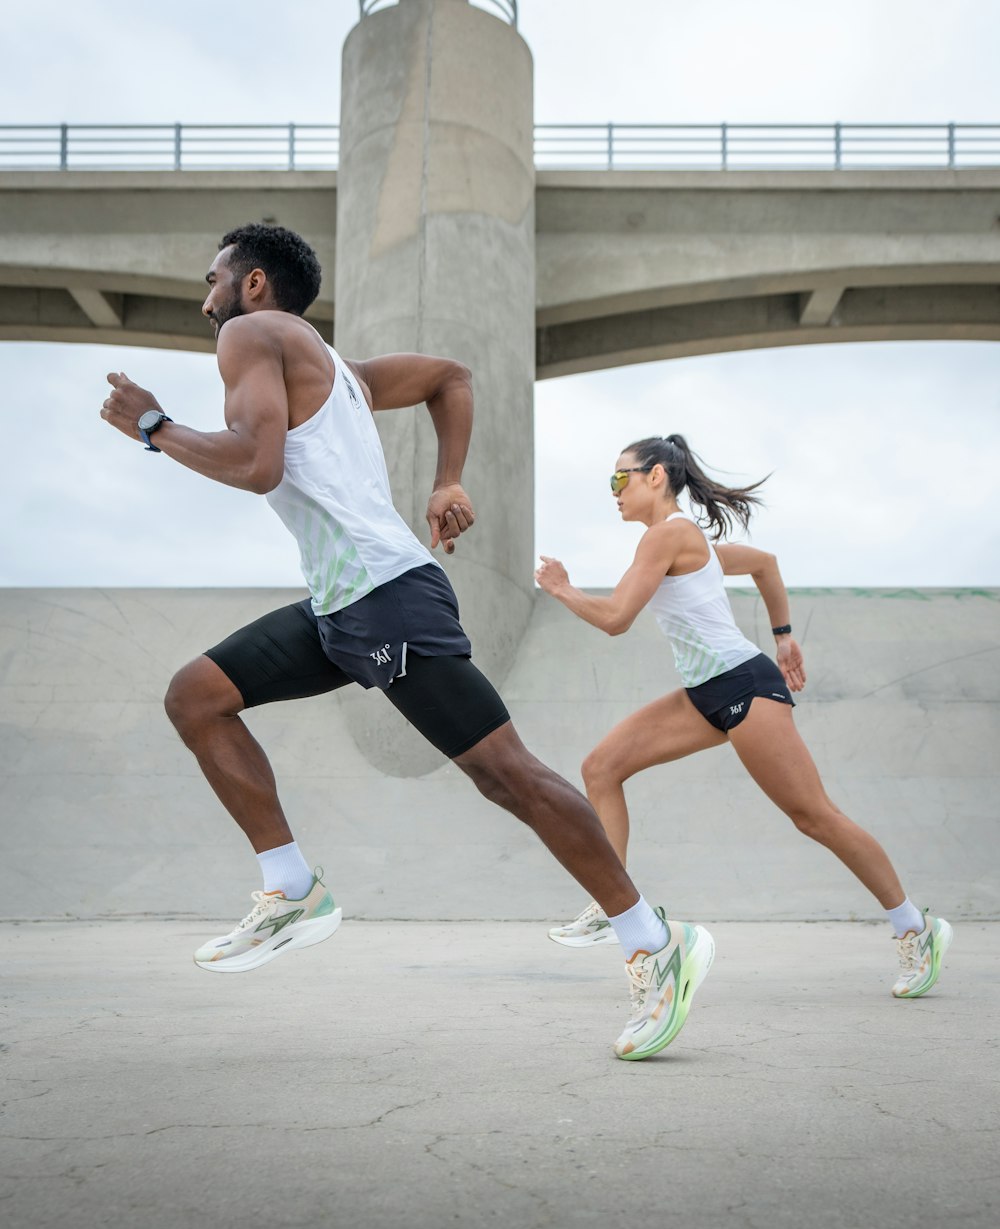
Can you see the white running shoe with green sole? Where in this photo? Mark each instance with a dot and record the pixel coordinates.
(590, 928)
(273, 926)
(662, 987)
(920, 957)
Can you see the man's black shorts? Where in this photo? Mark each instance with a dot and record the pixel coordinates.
(725, 700)
(412, 629)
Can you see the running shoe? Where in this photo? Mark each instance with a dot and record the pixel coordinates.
(920, 957)
(274, 925)
(662, 987)
(592, 926)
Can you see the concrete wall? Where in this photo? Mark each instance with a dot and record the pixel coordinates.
(104, 812)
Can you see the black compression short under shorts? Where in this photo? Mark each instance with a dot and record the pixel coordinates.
(725, 700)
(281, 657)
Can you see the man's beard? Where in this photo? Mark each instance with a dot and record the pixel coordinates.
(233, 308)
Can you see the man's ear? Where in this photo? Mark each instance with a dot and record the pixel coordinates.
(255, 284)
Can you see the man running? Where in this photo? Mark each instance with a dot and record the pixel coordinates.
(381, 612)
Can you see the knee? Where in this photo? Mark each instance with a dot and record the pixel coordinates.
(495, 786)
(817, 823)
(195, 696)
(598, 770)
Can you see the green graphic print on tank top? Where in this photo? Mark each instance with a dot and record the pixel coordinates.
(330, 563)
(696, 660)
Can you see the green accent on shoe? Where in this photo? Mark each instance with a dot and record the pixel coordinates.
(274, 924)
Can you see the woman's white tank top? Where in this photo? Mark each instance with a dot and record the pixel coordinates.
(334, 498)
(694, 613)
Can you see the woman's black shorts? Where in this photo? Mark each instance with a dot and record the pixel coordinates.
(725, 700)
(413, 629)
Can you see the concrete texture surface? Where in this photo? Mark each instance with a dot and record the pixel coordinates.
(436, 254)
(106, 814)
(632, 265)
(410, 1075)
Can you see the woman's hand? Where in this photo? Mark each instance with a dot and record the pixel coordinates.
(790, 663)
(551, 575)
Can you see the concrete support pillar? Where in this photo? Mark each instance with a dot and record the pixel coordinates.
(436, 254)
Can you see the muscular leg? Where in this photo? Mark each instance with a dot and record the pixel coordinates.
(668, 729)
(774, 754)
(203, 706)
(508, 774)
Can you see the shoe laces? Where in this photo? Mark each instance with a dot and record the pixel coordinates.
(906, 948)
(262, 906)
(592, 913)
(639, 983)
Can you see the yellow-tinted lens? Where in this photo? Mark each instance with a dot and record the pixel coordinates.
(619, 481)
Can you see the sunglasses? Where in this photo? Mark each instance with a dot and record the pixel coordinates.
(619, 479)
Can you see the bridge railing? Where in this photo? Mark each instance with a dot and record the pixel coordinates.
(169, 147)
(734, 147)
(506, 10)
(601, 147)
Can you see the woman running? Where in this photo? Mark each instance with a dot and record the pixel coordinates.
(732, 691)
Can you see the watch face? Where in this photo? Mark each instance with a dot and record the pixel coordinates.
(149, 420)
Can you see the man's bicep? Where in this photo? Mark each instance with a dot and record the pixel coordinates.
(256, 396)
(399, 380)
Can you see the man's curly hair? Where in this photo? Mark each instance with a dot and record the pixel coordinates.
(288, 261)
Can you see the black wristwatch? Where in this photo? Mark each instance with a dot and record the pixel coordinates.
(149, 422)
(784, 630)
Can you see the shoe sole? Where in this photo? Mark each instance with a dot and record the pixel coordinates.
(693, 972)
(943, 942)
(305, 934)
(602, 936)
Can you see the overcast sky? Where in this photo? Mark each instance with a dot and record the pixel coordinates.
(882, 456)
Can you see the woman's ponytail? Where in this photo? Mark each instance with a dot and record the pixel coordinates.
(723, 506)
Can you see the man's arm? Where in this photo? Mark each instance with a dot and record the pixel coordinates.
(394, 381)
(762, 567)
(249, 454)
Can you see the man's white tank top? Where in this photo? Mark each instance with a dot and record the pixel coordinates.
(694, 613)
(334, 498)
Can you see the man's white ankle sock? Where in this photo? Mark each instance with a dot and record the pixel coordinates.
(639, 929)
(285, 870)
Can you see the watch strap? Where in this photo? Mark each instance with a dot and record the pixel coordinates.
(144, 435)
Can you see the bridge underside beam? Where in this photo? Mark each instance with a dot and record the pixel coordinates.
(82, 314)
(103, 310)
(819, 306)
(871, 313)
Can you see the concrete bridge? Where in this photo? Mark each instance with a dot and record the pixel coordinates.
(438, 234)
(630, 266)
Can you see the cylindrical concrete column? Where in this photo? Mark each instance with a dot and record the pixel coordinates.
(436, 254)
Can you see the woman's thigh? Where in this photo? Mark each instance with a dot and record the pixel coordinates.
(668, 729)
(774, 754)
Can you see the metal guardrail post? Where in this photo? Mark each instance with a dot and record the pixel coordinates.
(836, 146)
(177, 147)
(611, 147)
(951, 146)
(724, 143)
(291, 147)
(63, 147)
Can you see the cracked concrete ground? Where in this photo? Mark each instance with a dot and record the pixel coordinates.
(432, 1074)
